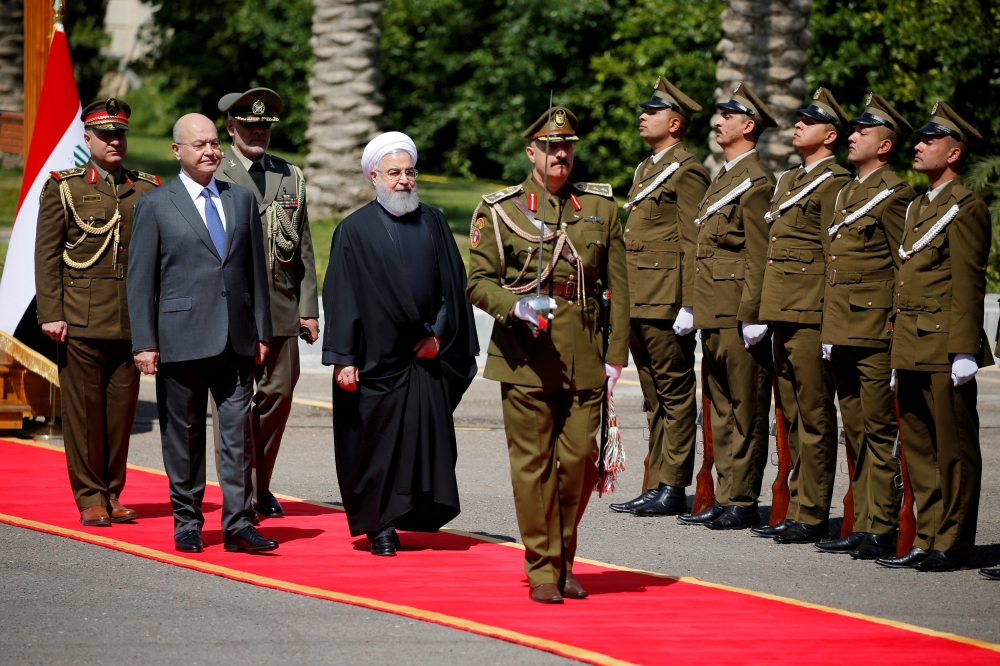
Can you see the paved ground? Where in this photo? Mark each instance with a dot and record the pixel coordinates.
(66, 602)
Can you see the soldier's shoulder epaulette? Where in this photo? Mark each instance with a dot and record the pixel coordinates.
(600, 189)
(505, 193)
(757, 171)
(148, 177)
(962, 193)
(68, 173)
(893, 179)
(838, 170)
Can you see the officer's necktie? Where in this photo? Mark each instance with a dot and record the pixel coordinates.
(924, 202)
(215, 228)
(111, 182)
(257, 173)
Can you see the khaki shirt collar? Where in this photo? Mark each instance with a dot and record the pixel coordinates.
(246, 161)
(731, 163)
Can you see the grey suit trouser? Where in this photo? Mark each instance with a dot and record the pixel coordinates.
(182, 391)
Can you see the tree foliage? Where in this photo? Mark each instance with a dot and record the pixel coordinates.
(203, 50)
(84, 24)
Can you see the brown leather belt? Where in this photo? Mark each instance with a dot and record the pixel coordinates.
(833, 276)
(568, 289)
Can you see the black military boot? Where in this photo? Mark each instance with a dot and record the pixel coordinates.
(992, 574)
(670, 501)
(802, 533)
(940, 561)
(736, 518)
(875, 546)
(632, 505)
(702, 517)
(908, 561)
(771, 531)
(843, 544)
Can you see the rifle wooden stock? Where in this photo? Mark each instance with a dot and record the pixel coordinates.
(780, 494)
(907, 519)
(847, 526)
(704, 495)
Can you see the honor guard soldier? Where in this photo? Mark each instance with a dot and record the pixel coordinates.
(729, 270)
(792, 302)
(938, 344)
(864, 233)
(553, 372)
(81, 256)
(660, 239)
(281, 200)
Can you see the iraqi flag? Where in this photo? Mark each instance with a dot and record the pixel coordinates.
(56, 144)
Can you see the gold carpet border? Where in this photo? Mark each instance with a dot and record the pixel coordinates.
(29, 358)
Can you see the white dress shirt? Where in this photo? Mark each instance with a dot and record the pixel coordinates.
(195, 190)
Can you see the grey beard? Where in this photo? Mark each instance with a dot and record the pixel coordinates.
(397, 203)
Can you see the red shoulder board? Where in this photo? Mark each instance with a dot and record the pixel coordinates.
(55, 175)
(129, 180)
(576, 202)
(532, 202)
(92, 178)
(158, 183)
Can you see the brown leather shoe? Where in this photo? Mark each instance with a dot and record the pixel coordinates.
(572, 588)
(546, 593)
(119, 514)
(95, 516)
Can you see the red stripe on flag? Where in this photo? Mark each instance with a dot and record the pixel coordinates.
(57, 108)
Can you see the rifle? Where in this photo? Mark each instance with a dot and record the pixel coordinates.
(780, 494)
(907, 519)
(704, 494)
(847, 526)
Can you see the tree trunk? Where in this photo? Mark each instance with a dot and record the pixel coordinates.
(765, 45)
(11, 67)
(346, 106)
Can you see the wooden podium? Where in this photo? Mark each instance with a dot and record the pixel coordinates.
(29, 384)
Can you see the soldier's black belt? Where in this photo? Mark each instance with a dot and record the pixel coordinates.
(835, 276)
(568, 289)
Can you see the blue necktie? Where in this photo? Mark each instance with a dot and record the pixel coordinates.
(215, 228)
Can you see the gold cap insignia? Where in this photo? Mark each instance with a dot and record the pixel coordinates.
(112, 106)
(559, 118)
(258, 108)
(819, 91)
(934, 110)
(869, 100)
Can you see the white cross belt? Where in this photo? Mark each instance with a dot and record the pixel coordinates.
(771, 217)
(931, 234)
(724, 201)
(861, 212)
(666, 173)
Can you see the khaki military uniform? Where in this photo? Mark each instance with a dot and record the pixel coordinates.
(861, 270)
(939, 313)
(660, 239)
(792, 301)
(729, 271)
(293, 293)
(81, 260)
(552, 386)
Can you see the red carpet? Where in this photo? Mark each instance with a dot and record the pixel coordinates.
(478, 586)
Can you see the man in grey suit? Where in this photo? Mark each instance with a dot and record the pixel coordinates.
(201, 318)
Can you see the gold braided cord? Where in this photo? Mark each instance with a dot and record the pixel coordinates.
(282, 231)
(113, 224)
(29, 358)
(67, 200)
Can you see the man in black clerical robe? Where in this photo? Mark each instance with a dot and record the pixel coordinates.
(401, 336)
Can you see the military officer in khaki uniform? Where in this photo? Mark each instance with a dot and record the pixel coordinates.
(792, 301)
(660, 237)
(864, 233)
(81, 256)
(552, 384)
(281, 199)
(938, 344)
(736, 351)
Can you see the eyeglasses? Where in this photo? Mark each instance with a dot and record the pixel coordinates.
(201, 145)
(397, 174)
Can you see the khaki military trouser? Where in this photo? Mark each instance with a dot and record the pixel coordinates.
(868, 411)
(940, 435)
(805, 384)
(739, 385)
(666, 372)
(100, 392)
(272, 403)
(552, 442)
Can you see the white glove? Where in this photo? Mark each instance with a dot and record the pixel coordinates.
(892, 380)
(752, 333)
(684, 323)
(827, 352)
(611, 373)
(963, 368)
(525, 312)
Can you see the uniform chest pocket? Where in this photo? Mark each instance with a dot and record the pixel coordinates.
(721, 222)
(91, 214)
(596, 243)
(657, 279)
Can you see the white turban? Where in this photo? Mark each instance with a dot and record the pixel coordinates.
(384, 144)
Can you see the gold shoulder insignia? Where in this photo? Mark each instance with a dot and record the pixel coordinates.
(148, 177)
(68, 173)
(601, 189)
(505, 193)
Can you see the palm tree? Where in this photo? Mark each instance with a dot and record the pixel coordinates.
(346, 106)
(983, 176)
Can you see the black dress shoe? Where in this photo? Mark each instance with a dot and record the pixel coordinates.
(736, 518)
(992, 574)
(249, 540)
(188, 541)
(802, 533)
(631, 505)
(771, 531)
(843, 544)
(907, 561)
(875, 546)
(384, 545)
(702, 517)
(939, 561)
(267, 505)
(670, 501)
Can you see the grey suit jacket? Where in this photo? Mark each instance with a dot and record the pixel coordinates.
(293, 283)
(185, 299)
